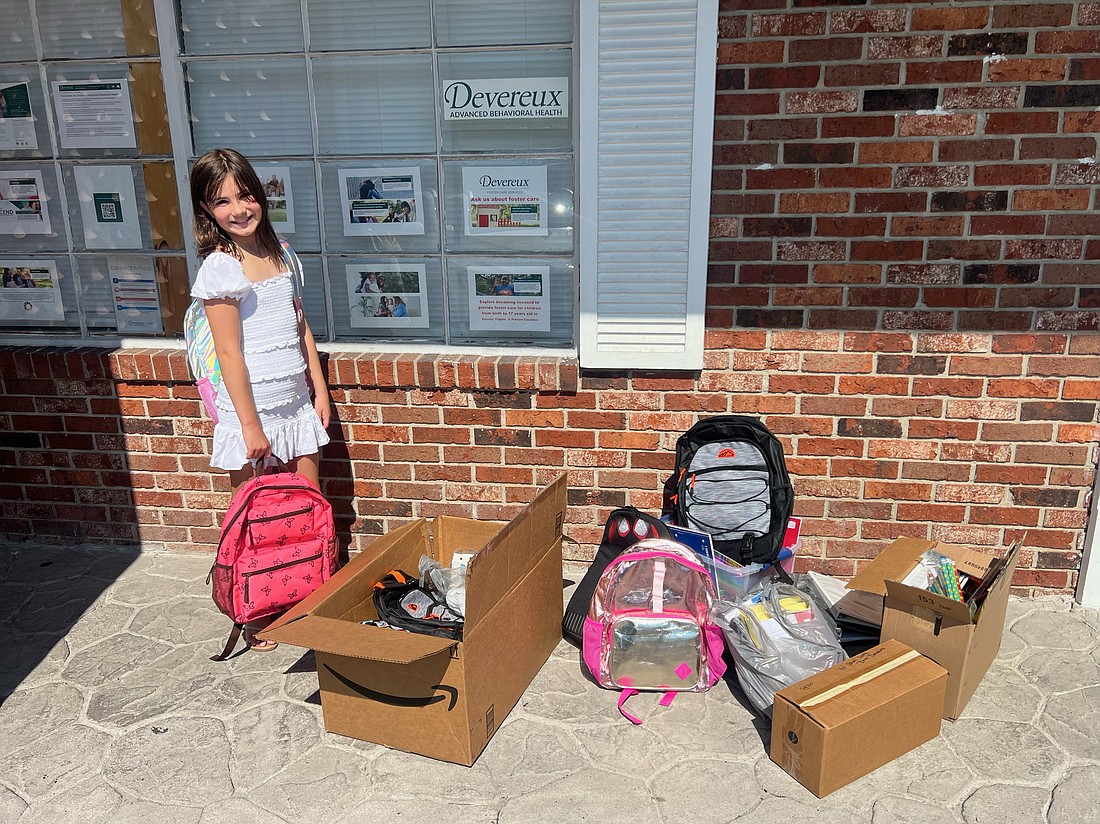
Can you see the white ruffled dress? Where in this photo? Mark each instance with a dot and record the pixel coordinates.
(276, 368)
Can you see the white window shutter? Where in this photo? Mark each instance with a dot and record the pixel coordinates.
(646, 112)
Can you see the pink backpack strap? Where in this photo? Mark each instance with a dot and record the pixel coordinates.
(666, 701)
(625, 694)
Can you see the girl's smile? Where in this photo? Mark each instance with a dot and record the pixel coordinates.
(235, 210)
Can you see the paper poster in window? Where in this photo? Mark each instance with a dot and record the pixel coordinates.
(387, 295)
(505, 200)
(382, 201)
(135, 294)
(94, 114)
(280, 198)
(23, 209)
(31, 291)
(509, 298)
(108, 207)
(16, 118)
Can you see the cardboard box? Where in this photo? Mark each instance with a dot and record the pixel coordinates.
(836, 726)
(428, 695)
(963, 638)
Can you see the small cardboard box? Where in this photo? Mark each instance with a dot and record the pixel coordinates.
(844, 722)
(428, 695)
(963, 638)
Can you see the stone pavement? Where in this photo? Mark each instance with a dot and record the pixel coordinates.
(112, 712)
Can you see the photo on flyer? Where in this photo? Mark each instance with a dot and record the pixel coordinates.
(16, 118)
(280, 198)
(382, 201)
(23, 209)
(505, 200)
(387, 295)
(509, 299)
(30, 291)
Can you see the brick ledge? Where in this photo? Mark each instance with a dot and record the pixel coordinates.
(387, 370)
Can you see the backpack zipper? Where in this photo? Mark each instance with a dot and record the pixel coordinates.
(248, 575)
(280, 517)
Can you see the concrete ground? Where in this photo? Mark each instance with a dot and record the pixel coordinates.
(112, 712)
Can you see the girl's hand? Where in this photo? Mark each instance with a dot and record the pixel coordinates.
(323, 406)
(255, 441)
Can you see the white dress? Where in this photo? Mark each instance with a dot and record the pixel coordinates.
(276, 369)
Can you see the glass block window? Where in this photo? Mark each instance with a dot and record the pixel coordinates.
(422, 154)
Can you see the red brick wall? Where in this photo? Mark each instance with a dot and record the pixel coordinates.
(909, 300)
(904, 196)
(973, 438)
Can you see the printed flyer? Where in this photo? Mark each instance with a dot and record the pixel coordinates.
(387, 295)
(94, 114)
(23, 209)
(108, 207)
(382, 201)
(512, 299)
(135, 294)
(505, 200)
(16, 118)
(31, 291)
(280, 199)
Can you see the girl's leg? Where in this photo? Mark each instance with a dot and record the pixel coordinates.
(238, 477)
(308, 466)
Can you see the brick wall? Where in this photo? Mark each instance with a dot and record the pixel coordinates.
(904, 284)
(915, 185)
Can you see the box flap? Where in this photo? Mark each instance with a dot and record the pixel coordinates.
(893, 563)
(451, 534)
(354, 640)
(514, 551)
(899, 593)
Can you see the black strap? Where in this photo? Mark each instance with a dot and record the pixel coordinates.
(234, 636)
(784, 576)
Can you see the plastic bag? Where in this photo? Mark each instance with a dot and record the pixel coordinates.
(777, 637)
(448, 585)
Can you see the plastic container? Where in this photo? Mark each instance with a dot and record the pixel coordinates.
(735, 582)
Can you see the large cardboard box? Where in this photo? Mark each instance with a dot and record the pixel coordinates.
(844, 722)
(427, 695)
(964, 638)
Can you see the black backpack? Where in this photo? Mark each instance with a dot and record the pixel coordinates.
(624, 528)
(731, 481)
(402, 602)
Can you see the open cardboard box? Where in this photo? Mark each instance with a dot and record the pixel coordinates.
(963, 638)
(842, 723)
(428, 695)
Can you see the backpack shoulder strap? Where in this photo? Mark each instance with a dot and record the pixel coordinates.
(294, 264)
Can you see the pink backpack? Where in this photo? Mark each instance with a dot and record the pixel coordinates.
(277, 545)
(648, 627)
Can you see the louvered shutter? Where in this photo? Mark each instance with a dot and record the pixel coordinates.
(646, 129)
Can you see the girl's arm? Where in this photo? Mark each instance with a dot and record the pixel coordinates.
(224, 317)
(321, 401)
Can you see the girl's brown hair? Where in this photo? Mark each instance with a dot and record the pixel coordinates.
(207, 176)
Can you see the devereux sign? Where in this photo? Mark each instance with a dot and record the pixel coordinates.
(518, 98)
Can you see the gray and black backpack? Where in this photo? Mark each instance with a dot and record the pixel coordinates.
(731, 481)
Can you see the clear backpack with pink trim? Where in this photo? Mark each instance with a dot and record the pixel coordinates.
(648, 626)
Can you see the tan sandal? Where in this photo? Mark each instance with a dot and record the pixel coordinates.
(258, 644)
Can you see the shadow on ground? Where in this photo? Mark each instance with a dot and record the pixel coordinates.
(46, 590)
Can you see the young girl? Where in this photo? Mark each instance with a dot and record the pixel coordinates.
(264, 345)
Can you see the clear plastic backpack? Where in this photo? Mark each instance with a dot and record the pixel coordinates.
(648, 626)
